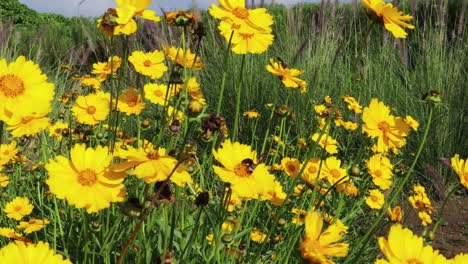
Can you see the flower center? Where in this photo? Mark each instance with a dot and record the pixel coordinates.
(384, 126)
(18, 208)
(312, 169)
(291, 168)
(335, 173)
(241, 12)
(242, 170)
(378, 173)
(26, 120)
(414, 261)
(147, 63)
(158, 93)
(87, 177)
(154, 155)
(91, 110)
(374, 198)
(11, 85)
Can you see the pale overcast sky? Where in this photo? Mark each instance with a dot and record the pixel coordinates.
(98, 7)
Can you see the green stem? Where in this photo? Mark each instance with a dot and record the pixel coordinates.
(138, 130)
(439, 216)
(362, 242)
(1, 132)
(223, 80)
(239, 93)
(193, 234)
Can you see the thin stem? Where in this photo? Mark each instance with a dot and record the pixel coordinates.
(439, 216)
(239, 93)
(1, 132)
(223, 80)
(362, 242)
(194, 232)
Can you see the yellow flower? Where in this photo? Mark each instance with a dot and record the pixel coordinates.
(395, 214)
(140, 9)
(348, 125)
(419, 200)
(291, 166)
(348, 187)
(312, 173)
(403, 246)
(130, 102)
(287, 75)
(196, 105)
(27, 253)
(378, 123)
(190, 60)
(461, 258)
(278, 140)
(276, 195)
(248, 178)
(157, 93)
(322, 110)
(56, 129)
(258, 236)
(7, 153)
(389, 15)
(32, 225)
(252, 114)
(299, 216)
(425, 218)
(174, 114)
(149, 64)
(410, 121)
(326, 142)
(85, 180)
(152, 165)
(18, 208)
(103, 69)
(10, 233)
(248, 30)
(461, 169)
(87, 80)
(375, 199)
(4, 180)
(353, 104)
(332, 171)
(235, 11)
(92, 108)
(22, 82)
(380, 168)
(317, 246)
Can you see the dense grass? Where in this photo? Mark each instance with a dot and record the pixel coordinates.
(341, 52)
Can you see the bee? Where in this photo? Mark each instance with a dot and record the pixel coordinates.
(250, 164)
(283, 64)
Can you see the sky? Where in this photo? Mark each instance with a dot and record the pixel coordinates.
(94, 8)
